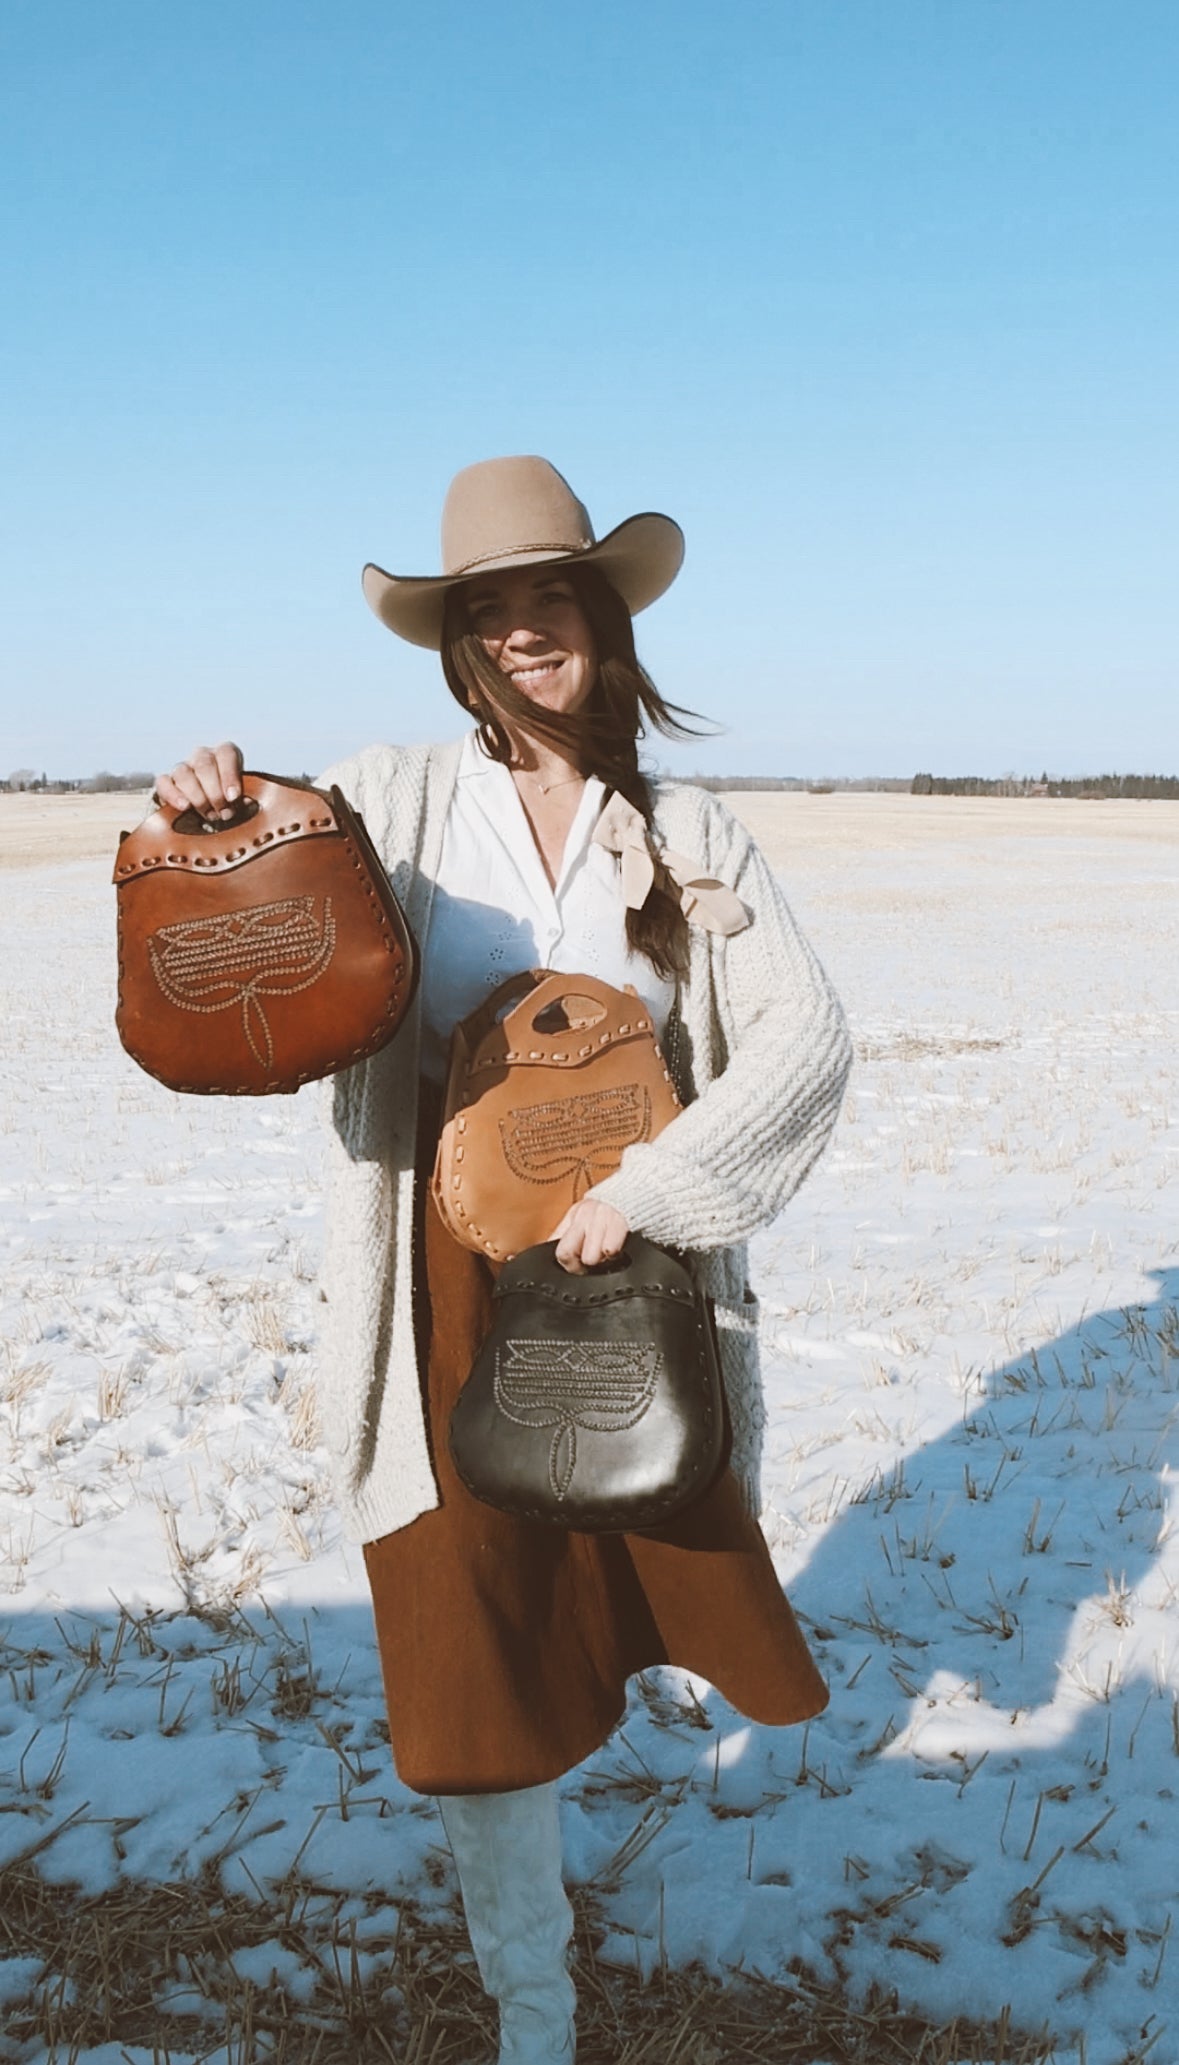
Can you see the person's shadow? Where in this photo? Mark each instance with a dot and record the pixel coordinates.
(983, 1813)
(993, 1553)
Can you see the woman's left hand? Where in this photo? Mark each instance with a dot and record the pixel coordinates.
(589, 1233)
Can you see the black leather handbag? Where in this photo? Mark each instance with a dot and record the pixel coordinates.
(596, 1401)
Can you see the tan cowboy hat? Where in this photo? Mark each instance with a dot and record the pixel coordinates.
(520, 512)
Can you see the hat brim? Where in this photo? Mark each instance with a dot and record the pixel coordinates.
(640, 558)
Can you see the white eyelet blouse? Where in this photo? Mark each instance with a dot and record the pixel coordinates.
(494, 911)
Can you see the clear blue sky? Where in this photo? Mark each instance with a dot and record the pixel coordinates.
(878, 297)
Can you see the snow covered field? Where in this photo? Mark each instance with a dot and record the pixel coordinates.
(970, 1323)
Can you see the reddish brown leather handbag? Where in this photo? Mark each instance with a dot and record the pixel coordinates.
(550, 1081)
(258, 954)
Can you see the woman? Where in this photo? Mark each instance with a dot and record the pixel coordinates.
(536, 840)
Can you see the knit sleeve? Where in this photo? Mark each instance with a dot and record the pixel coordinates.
(350, 1100)
(732, 1159)
(348, 776)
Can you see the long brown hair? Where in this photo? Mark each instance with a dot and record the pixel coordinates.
(602, 737)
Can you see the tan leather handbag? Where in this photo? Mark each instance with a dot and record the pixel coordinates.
(550, 1081)
(258, 954)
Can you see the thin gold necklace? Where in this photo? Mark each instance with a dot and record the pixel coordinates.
(545, 787)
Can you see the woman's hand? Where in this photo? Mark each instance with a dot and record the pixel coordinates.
(210, 782)
(589, 1233)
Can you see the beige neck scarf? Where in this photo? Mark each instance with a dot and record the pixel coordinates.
(703, 900)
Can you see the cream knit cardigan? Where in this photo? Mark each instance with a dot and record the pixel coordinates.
(763, 1056)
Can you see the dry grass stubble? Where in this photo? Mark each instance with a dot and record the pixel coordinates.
(107, 1958)
(37, 831)
(786, 822)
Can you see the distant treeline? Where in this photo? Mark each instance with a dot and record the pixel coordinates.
(824, 785)
(1086, 787)
(25, 780)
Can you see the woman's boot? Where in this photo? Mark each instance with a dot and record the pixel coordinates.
(507, 1850)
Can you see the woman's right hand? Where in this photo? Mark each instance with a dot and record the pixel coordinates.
(210, 782)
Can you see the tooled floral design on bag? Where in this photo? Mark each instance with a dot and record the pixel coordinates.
(238, 957)
(593, 1385)
(580, 1137)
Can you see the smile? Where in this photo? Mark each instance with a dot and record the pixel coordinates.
(530, 677)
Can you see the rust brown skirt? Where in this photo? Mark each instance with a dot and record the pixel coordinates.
(506, 1645)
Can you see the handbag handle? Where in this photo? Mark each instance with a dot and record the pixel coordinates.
(271, 812)
(643, 1268)
(478, 1023)
(512, 1037)
(193, 820)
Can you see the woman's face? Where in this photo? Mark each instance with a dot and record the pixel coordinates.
(533, 628)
